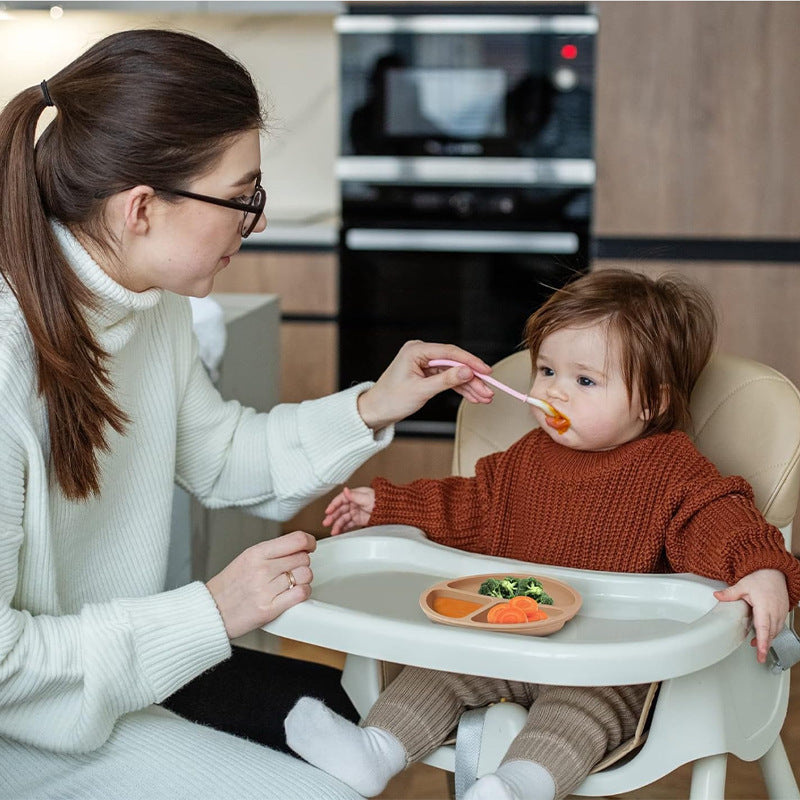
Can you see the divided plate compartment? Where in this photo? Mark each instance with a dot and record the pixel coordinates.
(566, 604)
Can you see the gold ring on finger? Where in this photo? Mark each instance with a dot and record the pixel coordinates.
(290, 577)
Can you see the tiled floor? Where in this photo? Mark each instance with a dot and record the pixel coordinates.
(744, 782)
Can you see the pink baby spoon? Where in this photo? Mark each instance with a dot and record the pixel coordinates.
(558, 421)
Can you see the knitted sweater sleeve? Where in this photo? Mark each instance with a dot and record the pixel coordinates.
(452, 511)
(718, 532)
(270, 463)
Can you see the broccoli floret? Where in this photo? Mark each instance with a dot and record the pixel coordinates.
(509, 587)
(533, 588)
(491, 587)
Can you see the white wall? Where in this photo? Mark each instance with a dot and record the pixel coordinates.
(293, 59)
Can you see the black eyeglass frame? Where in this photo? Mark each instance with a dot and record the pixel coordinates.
(254, 207)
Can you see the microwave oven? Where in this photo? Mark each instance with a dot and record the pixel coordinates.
(467, 98)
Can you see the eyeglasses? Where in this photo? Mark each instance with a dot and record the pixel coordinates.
(253, 208)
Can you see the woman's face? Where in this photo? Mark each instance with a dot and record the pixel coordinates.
(188, 241)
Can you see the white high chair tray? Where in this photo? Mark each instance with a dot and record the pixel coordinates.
(630, 628)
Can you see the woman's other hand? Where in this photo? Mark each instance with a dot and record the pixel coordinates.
(408, 382)
(349, 510)
(263, 581)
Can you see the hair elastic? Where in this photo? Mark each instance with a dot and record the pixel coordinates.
(48, 101)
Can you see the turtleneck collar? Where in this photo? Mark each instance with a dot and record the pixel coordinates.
(579, 463)
(113, 319)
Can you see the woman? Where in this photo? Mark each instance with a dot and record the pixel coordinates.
(135, 196)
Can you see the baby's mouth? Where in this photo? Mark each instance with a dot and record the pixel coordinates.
(559, 423)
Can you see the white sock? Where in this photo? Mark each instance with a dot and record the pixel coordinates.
(514, 780)
(364, 758)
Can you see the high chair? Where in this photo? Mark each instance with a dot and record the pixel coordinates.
(713, 697)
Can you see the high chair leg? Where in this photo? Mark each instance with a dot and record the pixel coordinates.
(708, 778)
(778, 775)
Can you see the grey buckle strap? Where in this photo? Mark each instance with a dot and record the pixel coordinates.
(468, 749)
(785, 650)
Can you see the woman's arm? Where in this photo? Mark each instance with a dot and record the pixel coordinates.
(274, 463)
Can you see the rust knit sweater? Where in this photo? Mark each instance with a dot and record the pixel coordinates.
(652, 505)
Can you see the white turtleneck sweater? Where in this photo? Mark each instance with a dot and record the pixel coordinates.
(86, 632)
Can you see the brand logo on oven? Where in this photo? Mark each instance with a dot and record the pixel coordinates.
(436, 148)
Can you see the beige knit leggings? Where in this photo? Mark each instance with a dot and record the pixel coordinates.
(569, 728)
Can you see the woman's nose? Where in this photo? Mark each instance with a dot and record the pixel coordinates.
(261, 224)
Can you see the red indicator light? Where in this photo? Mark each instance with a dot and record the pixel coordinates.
(569, 51)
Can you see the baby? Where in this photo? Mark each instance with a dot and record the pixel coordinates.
(622, 489)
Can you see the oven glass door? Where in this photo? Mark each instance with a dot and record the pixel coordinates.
(507, 86)
(472, 288)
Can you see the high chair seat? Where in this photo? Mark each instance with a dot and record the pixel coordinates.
(714, 697)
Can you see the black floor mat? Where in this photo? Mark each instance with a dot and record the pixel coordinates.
(251, 693)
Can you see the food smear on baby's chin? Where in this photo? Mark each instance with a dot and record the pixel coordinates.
(560, 423)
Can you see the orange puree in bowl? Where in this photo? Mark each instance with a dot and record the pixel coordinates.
(451, 607)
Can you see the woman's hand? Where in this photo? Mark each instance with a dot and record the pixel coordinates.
(408, 382)
(349, 510)
(765, 591)
(263, 581)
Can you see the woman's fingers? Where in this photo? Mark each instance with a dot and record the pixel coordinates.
(291, 597)
(288, 578)
(263, 581)
(294, 542)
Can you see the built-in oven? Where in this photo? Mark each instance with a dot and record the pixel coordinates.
(466, 177)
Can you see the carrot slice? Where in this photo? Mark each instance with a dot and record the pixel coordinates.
(524, 603)
(528, 606)
(504, 614)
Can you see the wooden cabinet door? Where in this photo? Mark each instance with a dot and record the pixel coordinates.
(697, 127)
(306, 281)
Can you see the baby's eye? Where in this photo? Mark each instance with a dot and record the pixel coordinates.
(584, 381)
(546, 371)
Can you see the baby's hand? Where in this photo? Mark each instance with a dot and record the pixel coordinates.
(349, 510)
(765, 591)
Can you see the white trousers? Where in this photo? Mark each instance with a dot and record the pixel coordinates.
(153, 754)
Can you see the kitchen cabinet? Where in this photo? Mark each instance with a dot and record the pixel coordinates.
(697, 118)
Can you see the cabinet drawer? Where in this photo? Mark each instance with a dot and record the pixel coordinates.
(309, 360)
(307, 282)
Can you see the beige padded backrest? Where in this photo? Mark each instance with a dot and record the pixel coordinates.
(746, 420)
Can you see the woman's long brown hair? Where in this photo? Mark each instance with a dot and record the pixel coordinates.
(140, 107)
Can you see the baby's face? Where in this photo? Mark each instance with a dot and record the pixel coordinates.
(578, 373)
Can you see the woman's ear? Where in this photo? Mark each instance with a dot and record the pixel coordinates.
(138, 208)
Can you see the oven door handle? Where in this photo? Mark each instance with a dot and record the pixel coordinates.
(458, 241)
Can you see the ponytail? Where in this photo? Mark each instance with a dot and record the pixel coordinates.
(70, 365)
(139, 107)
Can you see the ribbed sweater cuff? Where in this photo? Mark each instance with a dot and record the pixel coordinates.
(392, 505)
(335, 437)
(772, 559)
(178, 635)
